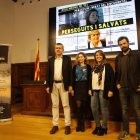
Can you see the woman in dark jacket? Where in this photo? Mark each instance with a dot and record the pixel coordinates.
(81, 74)
(101, 89)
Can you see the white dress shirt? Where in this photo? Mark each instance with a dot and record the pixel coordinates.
(58, 69)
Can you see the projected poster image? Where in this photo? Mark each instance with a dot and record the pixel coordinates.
(75, 19)
(94, 16)
(90, 26)
(95, 40)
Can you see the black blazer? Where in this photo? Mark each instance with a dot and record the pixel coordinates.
(133, 68)
(103, 43)
(66, 72)
(88, 73)
(109, 83)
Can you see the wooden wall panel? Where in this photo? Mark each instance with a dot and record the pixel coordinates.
(25, 71)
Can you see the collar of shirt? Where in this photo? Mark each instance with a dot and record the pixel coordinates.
(58, 58)
(129, 53)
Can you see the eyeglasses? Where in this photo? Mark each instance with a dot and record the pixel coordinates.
(95, 34)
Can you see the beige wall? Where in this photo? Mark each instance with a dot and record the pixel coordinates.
(7, 10)
(23, 24)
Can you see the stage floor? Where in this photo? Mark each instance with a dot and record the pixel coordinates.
(26, 127)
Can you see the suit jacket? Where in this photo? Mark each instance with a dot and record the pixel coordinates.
(66, 72)
(133, 68)
(109, 83)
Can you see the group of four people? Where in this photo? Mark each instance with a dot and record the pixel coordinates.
(98, 82)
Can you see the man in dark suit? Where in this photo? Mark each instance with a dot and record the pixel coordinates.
(59, 82)
(127, 72)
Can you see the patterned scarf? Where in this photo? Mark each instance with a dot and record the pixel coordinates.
(99, 69)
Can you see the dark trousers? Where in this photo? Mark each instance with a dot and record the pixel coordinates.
(125, 95)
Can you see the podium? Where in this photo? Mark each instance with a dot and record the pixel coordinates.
(34, 99)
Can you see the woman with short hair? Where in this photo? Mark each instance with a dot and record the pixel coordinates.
(94, 39)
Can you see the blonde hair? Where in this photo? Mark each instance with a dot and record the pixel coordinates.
(77, 62)
(91, 32)
(102, 54)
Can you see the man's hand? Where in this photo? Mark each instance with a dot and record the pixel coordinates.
(90, 92)
(72, 93)
(110, 93)
(70, 89)
(138, 90)
(48, 90)
(118, 86)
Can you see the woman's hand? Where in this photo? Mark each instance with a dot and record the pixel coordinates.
(72, 93)
(90, 92)
(118, 86)
(110, 93)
